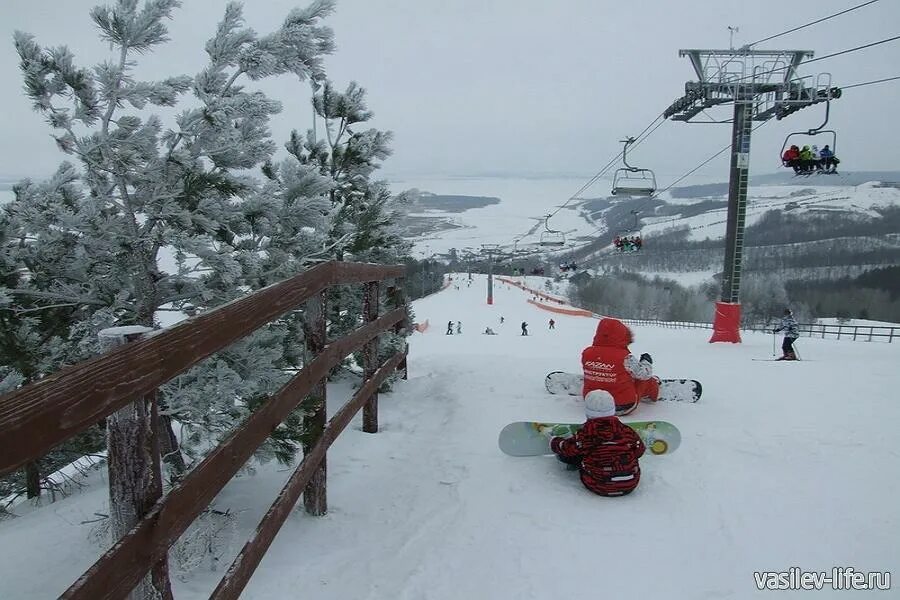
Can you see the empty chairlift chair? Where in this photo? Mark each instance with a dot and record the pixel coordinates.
(632, 181)
(551, 237)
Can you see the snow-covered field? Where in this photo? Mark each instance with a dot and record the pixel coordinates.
(523, 204)
(761, 199)
(781, 465)
(524, 201)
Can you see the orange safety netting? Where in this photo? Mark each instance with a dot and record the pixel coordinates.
(575, 312)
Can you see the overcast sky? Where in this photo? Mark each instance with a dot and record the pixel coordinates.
(512, 86)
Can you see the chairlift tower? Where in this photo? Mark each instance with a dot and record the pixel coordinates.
(490, 250)
(761, 84)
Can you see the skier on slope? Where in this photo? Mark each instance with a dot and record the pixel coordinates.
(791, 333)
(609, 365)
(605, 450)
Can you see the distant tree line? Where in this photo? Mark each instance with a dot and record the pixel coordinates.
(873, 295)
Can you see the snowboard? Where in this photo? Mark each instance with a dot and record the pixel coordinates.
(670, 390)
(530, 438)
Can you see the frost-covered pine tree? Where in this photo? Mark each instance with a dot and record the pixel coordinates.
(88, 248)
(363, 211)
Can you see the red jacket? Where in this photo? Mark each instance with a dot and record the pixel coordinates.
(603, 363)
(609, 451)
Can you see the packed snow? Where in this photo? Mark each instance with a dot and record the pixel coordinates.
(781, 465)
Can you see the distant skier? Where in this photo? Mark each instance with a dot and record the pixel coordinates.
(605, 450)
(524, 328)
(609, 365)
(791, 332)
(501, 319)
(489, 331)
(552, 324)
(449, 327)
(459, 327)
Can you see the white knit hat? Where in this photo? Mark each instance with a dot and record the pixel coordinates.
(599, 403)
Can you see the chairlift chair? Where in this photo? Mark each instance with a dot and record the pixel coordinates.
(632, 181)
(812, 133)
(551, 237)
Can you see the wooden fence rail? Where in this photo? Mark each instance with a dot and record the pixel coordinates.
(37, 417)
(868, 333)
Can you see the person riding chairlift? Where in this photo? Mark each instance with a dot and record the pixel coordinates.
(828, 160)
(791, 158)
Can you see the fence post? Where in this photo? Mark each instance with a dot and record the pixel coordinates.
(133, 462)
(370, 356)
(315, 499)
(395, 296)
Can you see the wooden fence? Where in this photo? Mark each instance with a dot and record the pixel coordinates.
(865, 333)
(37, 417)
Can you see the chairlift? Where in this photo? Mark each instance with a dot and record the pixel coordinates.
(812, 133)
(551, 237)
(632, 181)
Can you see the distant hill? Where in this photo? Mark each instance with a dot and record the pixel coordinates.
(891, 178)
(451, 203)
(848, 178)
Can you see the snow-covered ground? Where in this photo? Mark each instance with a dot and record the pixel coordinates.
(781, 465)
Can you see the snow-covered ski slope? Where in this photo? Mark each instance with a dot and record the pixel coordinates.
(781, 465)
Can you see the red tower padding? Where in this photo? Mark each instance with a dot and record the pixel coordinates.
(727, 323)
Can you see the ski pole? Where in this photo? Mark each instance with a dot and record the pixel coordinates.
(773, 343)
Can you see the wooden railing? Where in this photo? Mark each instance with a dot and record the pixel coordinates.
(37, 417)
(867, 333)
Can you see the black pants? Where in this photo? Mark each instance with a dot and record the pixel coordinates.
(788, 345)
(572, 463)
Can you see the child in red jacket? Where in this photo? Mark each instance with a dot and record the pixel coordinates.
(608, 365)
(605, 450)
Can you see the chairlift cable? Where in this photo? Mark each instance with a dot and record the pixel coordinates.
(847, 87)
(648, 130)
(818, 58)
(654, 125)
(847, 51)
(843, 12)
(701, 165)
(643, 135)
(689, 173)
(614, 160)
